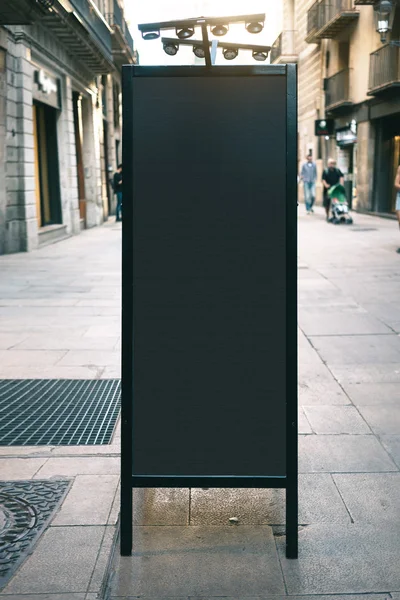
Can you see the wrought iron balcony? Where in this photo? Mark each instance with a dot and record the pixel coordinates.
(84, 32)
(337, 91)
(22, 12)
(384, 69)
(122, 41)
(329, 18)
(283, 48)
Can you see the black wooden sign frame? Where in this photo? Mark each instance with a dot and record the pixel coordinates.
(290, 480)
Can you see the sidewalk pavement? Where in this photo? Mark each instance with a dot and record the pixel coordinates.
(59, 318)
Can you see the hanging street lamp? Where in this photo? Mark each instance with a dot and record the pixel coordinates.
(384, 16)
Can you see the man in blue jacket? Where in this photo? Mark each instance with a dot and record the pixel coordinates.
(308, 176)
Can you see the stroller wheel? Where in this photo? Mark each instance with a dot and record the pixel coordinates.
(349, 221)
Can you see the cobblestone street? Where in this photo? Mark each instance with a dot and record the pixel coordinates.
(59, 318)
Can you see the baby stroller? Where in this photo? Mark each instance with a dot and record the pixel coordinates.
(340, 207)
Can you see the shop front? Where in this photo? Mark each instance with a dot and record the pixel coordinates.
(346, 142)
(387, 160)
(46, 109)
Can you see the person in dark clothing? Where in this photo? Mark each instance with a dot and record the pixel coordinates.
(118, 190)
(330, 177)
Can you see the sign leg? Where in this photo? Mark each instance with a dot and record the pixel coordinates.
(126, 518)
(292, 520)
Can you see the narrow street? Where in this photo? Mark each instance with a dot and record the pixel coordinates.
(59, 319)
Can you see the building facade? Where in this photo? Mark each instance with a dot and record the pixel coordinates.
(60, 116)
(349, 78)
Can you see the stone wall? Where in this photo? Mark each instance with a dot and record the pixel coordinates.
(26, 48)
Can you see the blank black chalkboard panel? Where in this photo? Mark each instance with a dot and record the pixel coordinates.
(209, 275)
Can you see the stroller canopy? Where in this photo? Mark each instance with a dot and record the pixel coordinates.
(338, 192)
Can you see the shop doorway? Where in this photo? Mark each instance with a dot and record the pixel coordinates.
(387, 159)
(47, 177)
(107, 174)
(78, 127)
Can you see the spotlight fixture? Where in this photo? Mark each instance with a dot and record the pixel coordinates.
(170, 49)
(151, 35)
(184, 33)
(199, 51)
(260, 56)
(254, 27)
(230, 53)
(47, 3)
(219, 30)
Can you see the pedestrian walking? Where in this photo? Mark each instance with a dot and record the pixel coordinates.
(117, 180)
(330, 177)
(308, 175)
(397, 188)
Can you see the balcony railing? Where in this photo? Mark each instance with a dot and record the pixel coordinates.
(337, 90)
(95, 24)
(328, 18)
(22, 12)
(116, 18)
(384, 68)
(283, 48)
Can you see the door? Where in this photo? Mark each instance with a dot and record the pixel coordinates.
(387, 157)
(37, 169)
(77, 107)
(395, 165)
(47, 178)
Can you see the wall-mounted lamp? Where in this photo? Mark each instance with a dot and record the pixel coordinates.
(384, 16)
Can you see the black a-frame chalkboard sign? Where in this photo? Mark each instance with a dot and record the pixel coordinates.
(209, 348)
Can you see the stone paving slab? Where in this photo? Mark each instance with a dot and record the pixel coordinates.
(45, 597)
(307, 355)
(336, 419)
(358, 350)
(313, 597)
(45, 342)
(392, 445)
(388, 312)
(161, 506)
(383, 419)
(373, 393)
(63, 561)
(97, 582)
(11, 339)
(89, 501)
(101, 358)
(114, 512)
(343, 454)
(340, 322)
(321, 393)
(303, 424)
(372, 497)
(31, 358)
(366, 373)
(20, 468)
(315, 374)
(319, 501)
(79, 465)
(344, 559)
(200, 561)
(29, 372)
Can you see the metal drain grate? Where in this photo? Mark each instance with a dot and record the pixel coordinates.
(58, 412)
